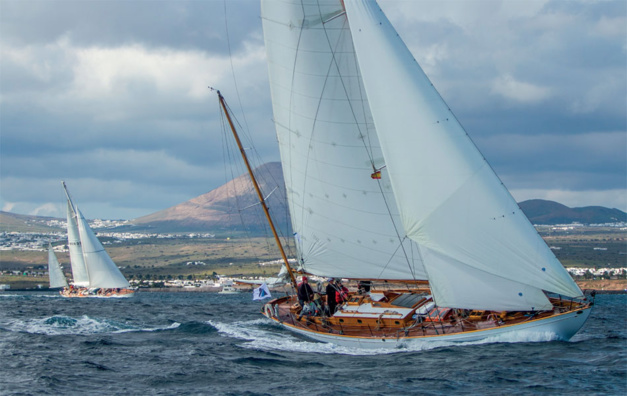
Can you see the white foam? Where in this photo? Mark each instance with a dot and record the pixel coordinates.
(170, 327)
(65, 325)
(262, 339)
(269, 340)
(33, 295)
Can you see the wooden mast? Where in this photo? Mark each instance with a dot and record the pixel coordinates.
(258, 190)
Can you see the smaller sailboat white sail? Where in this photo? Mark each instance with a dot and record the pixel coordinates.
(95, 273)
(57, 278)
(102, 270)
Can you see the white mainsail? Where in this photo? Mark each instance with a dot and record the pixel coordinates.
(57, 278)
(79, 271)
(103, 273)
(346, 224)
(348, 97)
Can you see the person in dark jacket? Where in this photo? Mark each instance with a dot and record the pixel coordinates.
(341, 293)
(305, 293)
(330, 290)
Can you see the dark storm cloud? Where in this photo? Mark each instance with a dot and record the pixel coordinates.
(112, 96)
(177, 24)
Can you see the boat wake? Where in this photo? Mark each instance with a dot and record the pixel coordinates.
(259, 334)
(66, 325)
(262, 335)
(509, 338)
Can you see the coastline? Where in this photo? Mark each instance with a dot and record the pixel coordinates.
(604, 286)
(600, 286)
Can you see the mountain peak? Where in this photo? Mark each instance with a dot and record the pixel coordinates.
(225, 207)
(541, 211)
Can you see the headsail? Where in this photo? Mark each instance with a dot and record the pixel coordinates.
(57, 278)
(102, 270)
(346, 222)
(478, 247)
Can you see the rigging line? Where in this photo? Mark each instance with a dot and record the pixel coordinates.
(228, 42)
(326, 80)
(367, 135)
(334, 61)
(227, 154)
(229, 149)
(390, 260)
(258, 175)
(398, 235)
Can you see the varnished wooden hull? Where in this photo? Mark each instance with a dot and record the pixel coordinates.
(543, 327)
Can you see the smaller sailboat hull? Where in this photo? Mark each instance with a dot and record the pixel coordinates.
(547, 326)
(95, 293)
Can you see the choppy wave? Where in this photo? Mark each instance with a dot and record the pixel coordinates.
(66, 325)
(203, 343)
(29, 296)
(196, 328)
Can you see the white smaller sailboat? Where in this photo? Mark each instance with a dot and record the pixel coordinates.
(94, 272)
(55, 272)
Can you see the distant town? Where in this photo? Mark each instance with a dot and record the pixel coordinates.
(22, 241)
(39, 241)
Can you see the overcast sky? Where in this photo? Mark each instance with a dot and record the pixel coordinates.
(111, 96)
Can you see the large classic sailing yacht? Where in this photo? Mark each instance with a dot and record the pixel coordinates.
(384, 185)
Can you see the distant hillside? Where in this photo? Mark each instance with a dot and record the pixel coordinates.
(234, 207)
(540, 211)
(231, 207)
(216, 211)
(11, 222)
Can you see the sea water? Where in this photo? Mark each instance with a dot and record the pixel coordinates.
(215, 344)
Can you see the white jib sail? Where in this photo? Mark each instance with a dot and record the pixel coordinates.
(346, 223)
(79, 271)
(479, 249)
(103, 273)
(57, 278)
